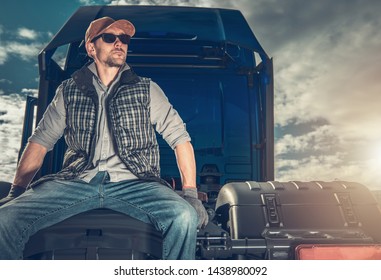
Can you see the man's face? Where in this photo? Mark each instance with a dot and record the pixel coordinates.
(109, 54)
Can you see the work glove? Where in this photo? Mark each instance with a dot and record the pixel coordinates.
(190, 195)
(14, 192)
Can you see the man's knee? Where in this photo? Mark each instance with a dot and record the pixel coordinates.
(7, 215)
(187, 216)
(8, 223)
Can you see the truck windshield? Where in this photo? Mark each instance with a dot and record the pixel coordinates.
(216, 113)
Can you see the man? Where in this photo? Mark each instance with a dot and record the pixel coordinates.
(107, 115)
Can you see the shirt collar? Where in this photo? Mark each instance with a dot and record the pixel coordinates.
(92, 67)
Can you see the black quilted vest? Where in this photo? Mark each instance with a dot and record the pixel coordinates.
(127, 109)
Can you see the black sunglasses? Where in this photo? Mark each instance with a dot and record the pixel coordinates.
(110, 38)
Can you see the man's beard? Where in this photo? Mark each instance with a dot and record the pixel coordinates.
(114, 62)
(111, 62)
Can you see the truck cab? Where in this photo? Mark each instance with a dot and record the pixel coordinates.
(214, 72)
(211, 67)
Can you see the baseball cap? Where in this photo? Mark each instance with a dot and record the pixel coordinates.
(99, 25)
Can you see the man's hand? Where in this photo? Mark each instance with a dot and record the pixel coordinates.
(190, 195)
(14, 192)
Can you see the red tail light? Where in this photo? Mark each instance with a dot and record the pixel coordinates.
(338, 252)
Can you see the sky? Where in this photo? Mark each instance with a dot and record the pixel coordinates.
(327, 71)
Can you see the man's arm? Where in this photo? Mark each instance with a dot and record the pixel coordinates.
(43, 139)
(30, 162)
(187, 164)
(169, 124)
(166, 119)
(48, 131)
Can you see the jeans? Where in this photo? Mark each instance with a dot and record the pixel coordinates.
(53, 201)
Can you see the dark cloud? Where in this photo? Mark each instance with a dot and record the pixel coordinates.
(277, 23)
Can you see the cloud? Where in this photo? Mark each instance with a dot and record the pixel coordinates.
(19, 48)
(319, 168)
(317, 140)
(26, 33)
(317, 74)
(26, 52)
(11, 118)
(32, 91)
(335, 166)
(332, 69)
(327, 64)
(192, 3)
(3, 55)
(92, 2)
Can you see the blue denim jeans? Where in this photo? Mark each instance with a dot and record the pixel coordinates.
(54, 201)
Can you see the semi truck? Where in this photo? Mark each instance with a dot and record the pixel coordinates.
(219, 78)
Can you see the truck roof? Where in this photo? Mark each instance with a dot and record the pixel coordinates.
(191, 23)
